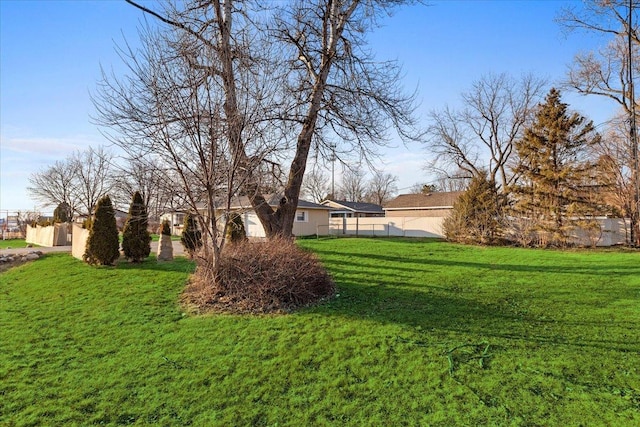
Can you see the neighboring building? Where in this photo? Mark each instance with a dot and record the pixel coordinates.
(422, 205)
(311, 218)
(344, 209)
(176, 221)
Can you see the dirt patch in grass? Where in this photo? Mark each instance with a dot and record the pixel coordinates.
(7, 265)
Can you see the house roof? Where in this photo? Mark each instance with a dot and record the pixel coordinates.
(243, 202)
(360, 207)
(442, 200)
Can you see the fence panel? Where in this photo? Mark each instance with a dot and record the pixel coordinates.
(614, 231)
(387, 227)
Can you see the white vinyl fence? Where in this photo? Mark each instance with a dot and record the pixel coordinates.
(53, 235)
(384, 227)
(613, 231)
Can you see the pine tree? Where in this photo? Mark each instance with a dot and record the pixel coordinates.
(477, 214)
(62, 213)
(191, 237)
(136, 240)
(554, 169)
(102, 243)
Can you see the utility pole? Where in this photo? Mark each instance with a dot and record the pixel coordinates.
(333, 170)
(635, 228)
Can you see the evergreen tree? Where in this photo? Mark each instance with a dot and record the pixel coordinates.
(555, 173)
(102, 243)
(136, 240)
(165, 228)
(62, 213)
(191, 237)
(235, 228)
(477, 214)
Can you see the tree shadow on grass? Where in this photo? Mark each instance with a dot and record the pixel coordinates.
(447, 312)
(409, 264)
(371, 287)
(179, 264)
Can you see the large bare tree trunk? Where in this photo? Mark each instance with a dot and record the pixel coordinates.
(315, 39)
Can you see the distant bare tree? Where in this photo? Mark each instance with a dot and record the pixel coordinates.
(93, 177)
(381, 187)
(353, 185)
(148, 177)
(456, 182)
(423, 188)
(79, 181)
(316, 185)
(25, 218)
(497, 107)
(54, 185)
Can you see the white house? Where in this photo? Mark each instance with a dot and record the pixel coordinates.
(311, 218)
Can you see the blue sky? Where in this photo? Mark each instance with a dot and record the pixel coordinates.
(51, 52)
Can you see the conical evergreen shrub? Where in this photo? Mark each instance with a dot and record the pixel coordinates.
(165, 228)
(102, 243)
(235, 231)
(136, 240)
(165, 246)
(191, 237)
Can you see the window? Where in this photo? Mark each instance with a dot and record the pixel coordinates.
(301, 216)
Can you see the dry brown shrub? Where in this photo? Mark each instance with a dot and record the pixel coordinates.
(259, 277)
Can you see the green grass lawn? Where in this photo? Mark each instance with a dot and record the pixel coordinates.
(156, 238)
(421, 333)
(13, 244)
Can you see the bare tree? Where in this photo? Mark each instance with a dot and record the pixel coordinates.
(149, 177)
(55, 184)
(78, 181)
(423, 188)
(353, 185)
(316, 185)
(93, 177)
(603, 72)
(381, 187)
(173, 107)
(615, 168)
(497, 107)
(610, 73)
(456, 182)
(328, 83)
(336, 87)
(24, 218)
